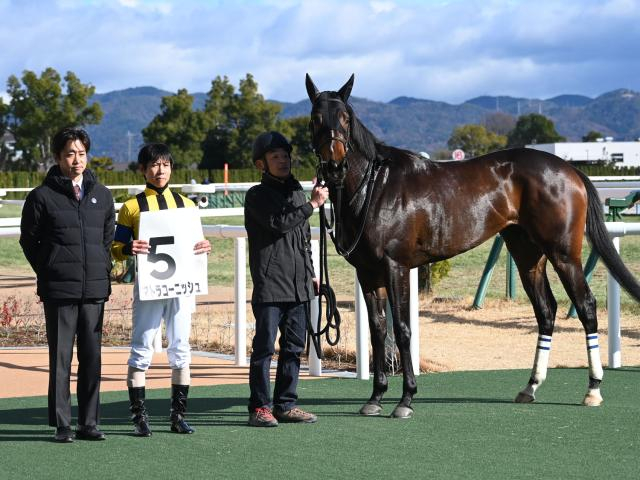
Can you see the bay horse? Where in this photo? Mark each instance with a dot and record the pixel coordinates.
(395, 211)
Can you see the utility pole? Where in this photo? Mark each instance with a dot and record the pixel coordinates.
(129, 137)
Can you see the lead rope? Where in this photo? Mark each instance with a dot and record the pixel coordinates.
(372, 173)
(331, 312)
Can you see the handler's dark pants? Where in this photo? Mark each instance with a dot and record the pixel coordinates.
(65, 321)
(291, 319)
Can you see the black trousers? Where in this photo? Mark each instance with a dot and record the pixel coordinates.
(64, 322)
(291, 320)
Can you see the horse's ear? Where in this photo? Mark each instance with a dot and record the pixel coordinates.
(345, 91)
(312, 91)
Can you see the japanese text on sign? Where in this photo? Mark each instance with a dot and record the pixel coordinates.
(171, 269)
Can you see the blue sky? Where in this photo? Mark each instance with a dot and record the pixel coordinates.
(447, 50)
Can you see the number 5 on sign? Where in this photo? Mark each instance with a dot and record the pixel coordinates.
(171, 269)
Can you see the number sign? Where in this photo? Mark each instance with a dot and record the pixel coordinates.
(171, 269)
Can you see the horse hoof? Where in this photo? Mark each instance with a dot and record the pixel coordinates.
(370, 409)
(592, 399)
(524, 398)
(402, 412)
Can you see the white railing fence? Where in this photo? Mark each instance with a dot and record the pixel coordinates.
(238, 234)
(10, 227)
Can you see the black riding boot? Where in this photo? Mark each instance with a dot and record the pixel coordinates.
(178, 409)
(139, 412)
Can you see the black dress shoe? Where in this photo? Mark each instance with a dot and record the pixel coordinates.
(89, 433)
(63, 435)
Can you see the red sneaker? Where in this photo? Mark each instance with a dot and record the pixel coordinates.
(262, 417)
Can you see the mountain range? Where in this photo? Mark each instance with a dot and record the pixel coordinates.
(412, 123)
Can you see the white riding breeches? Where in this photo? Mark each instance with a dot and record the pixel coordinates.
(147, 320)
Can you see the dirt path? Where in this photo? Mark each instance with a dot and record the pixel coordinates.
(503, 335)
(452, 337)
(25, 371)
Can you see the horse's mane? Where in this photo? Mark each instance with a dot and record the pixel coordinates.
(370, 146)
(363, 139)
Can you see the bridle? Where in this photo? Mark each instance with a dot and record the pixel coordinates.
(335, 225)
(322, 171)
(345, 140)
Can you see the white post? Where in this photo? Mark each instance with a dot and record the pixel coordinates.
(315, 365)
(613, 312)
(414, 320)
(362, 334)
(240, 245)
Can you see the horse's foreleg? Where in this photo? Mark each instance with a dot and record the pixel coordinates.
(376, 301)
(398, 292)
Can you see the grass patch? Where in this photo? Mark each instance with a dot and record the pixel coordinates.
(465, 426)
(10, 211)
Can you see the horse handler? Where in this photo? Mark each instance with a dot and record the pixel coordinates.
(155, 163)
(276, 217)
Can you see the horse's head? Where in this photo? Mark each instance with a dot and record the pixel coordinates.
(330, 129)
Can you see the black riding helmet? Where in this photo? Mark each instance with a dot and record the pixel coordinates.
(267, 142)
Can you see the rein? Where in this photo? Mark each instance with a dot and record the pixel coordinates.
(368, 180)
(325, 291)
(331, 311)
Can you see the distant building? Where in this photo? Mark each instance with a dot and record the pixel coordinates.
(620, 154)
(8, 141)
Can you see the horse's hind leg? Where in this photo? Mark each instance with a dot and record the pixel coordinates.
(571, 275)
(531, 264)
(376, 301)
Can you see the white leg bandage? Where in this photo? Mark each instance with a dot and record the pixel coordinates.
(593, 352)
(593, 398)
(540, 364)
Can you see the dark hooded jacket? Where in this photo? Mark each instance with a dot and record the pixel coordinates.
(67, 242)
(276, 217)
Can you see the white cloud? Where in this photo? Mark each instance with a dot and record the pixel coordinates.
(382, 7)
(442, 50)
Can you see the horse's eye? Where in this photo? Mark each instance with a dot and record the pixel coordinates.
(344, 119)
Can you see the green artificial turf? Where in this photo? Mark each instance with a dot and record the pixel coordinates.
(465, 426)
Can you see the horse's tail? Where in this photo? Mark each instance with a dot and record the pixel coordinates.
(602, 244)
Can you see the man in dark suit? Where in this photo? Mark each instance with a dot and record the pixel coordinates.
(66, 232)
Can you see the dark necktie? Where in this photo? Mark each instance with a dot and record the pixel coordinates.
(76, 190)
